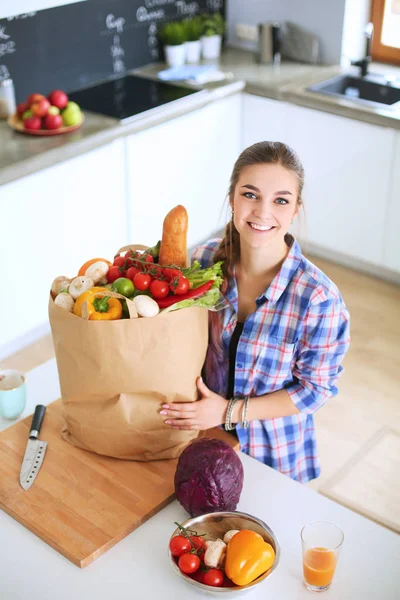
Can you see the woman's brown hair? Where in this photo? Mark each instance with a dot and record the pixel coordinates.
(272, 153)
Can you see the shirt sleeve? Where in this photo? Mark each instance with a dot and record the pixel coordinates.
(205, 253)
(321, 349)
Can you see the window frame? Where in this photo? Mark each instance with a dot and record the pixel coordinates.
(380, 52)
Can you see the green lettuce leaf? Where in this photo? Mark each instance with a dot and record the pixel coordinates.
(197, 276)
(212, 300)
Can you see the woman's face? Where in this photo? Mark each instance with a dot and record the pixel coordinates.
(264, 204)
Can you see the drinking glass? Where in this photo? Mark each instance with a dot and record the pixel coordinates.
(321, 542)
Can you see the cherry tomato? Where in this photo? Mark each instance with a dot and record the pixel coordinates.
(179, 285)
(159, 289)
(198, 542)
(149, 258)
(131, 272)
(188, 563)
(198, 576)
(114, 273)
(119, 261)
(171, 273)
(179, 545)
(142, 281)
(214, 577)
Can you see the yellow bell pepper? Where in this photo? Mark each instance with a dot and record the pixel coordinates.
(104, 308)
(85, 296)
(247, 557)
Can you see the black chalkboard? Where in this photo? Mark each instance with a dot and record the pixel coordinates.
(71, 46)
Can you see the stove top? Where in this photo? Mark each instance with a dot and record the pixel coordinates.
(128, 97)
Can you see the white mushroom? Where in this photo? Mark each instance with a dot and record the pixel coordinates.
(59, 284)
(80, 285)
(215, 553)
(65, 300)
(146, 306)
(97, 272)
(229, 535)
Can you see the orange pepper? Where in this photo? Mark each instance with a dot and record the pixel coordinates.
(85, 296)
(104, 308)
(247, 557)
(87, 264)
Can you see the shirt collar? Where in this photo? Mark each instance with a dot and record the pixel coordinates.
(286, 272)
(280, 281)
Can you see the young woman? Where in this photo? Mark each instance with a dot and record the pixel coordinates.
(275, 351)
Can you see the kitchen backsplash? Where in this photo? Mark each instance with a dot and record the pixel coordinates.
(324, 18)
(71, 46)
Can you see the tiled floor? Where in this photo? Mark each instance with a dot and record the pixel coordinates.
(368, 404)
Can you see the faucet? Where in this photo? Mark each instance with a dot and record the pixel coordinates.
(363, 63)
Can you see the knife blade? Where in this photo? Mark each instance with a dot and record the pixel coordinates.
(35, 450)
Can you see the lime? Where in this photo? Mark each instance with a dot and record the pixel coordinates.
(123, 286)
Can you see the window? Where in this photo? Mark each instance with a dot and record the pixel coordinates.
(385, 15)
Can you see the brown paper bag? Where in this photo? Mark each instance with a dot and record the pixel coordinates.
(115, 375)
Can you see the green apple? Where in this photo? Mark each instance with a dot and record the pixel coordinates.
(53, 110)
(73, 106)
(71, 116)
(27, 114)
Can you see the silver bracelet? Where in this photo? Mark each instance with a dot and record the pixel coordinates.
(228, 417)
(245, 407)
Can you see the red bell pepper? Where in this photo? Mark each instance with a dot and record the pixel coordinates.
(193, 293)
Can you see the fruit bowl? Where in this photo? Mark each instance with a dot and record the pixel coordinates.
(216, 525)
(16, 123)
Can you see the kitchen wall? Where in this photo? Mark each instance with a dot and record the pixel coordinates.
(72, 46)
(324, 18)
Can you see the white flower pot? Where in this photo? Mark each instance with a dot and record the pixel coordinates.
(211, 46)
(193, 51)
(175, 55)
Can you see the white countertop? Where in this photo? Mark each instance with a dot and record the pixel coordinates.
(138, 567)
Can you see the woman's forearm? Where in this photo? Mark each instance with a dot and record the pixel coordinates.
(271, 406)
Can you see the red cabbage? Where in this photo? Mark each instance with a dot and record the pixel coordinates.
(208, 477)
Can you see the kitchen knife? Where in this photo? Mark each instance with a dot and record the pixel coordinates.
(35, 450)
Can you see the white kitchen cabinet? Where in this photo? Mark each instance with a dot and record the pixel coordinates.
(263, 120)
(10, 8)
(347, 173)
(187, 161)
(52, 222)
(391, 256)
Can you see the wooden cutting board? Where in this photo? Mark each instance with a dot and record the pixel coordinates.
(81, 503)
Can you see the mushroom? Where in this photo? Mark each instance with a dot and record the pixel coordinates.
(97, 272)
(65, 300)
(80, 285)
(229, 535)
(215, 553)
(146, 306)
(59, 284)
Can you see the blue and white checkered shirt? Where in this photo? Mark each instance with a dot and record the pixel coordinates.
(296, 340)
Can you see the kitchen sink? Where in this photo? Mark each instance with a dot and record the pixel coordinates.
(359, 89)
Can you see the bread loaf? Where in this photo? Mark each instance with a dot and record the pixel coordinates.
(173, 248)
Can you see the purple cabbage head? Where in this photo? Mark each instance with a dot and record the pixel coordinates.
(208, 477)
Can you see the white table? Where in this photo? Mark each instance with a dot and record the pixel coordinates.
(138, 566)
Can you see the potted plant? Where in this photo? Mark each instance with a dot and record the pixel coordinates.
(173, 37)
(193, 29)
(213, 27)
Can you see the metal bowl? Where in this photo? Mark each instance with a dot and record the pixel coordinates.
(216, 525)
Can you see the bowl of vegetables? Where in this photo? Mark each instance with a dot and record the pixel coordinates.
(224, 552)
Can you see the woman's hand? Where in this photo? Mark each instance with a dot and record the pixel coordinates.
(207, 412)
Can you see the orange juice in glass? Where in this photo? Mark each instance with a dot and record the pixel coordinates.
(321, 542)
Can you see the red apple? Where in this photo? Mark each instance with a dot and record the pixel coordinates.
(58, 98)
(40, 108)
(52, 121)
(34, 98)
(32, 123)
(21, 108)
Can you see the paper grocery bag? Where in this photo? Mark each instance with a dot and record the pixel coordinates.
(115, 375)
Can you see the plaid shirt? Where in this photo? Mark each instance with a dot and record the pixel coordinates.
(296, 340)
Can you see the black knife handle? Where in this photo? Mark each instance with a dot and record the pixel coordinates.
(37, 421)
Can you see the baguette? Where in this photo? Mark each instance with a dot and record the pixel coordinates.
(173, 248)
